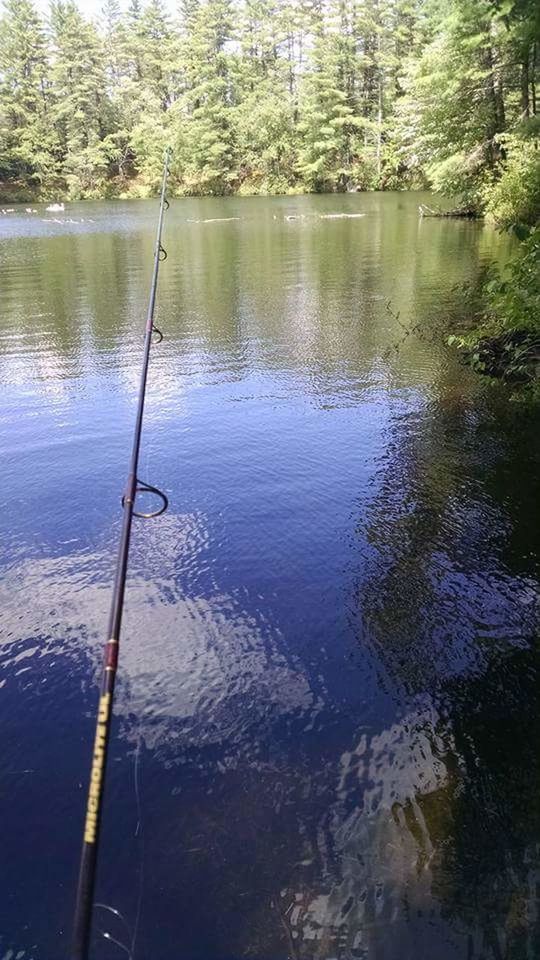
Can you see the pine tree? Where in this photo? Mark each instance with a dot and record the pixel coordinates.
(111, 20)
(456, 103)
(150, 83)
(28, 144)
(157, 53)
(188, 11)
(203, 116)
(263, 117)
(328, 157)
(81, 107)
(121, 90)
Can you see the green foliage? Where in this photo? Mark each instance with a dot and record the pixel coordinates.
(274, 96)
(79, 108)
(458, 176)
(515, 296)
(148, 140)
(515, 197)
(204, 132)
(266, 141)
(467, 114)
(454, 105)
(328, 129)
(506, 345)
(28, 145)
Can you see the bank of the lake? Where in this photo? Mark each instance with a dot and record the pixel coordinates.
(500, 338)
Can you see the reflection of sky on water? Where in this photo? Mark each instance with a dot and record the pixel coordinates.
(381, 890)
(203, 653)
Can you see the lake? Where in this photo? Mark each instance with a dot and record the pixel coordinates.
(327, 717)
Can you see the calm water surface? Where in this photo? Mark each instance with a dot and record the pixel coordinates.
(327, 723)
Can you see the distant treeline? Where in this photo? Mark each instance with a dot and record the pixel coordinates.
(273, 96)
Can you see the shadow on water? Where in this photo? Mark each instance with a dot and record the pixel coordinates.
(450, 604)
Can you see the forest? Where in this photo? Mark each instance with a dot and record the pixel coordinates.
(274, 96)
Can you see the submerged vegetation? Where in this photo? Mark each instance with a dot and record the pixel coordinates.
(286, 96)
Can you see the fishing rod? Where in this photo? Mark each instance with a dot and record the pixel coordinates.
(87, 872)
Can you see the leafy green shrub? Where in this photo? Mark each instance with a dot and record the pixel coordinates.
(506, 344)
(515, 296)
(459, 176)
(515, 197)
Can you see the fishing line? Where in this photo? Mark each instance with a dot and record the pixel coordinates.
(131, 932)
(139, 830)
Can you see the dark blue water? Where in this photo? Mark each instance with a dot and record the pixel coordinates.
(327, 725)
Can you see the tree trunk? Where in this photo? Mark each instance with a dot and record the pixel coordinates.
(494, 91)
(533, 80)
(379, 110)
(524, 84)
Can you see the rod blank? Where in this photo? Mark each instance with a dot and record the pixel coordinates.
(87, 872)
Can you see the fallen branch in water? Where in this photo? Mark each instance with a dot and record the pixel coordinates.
(458, 213)
(340, 216)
